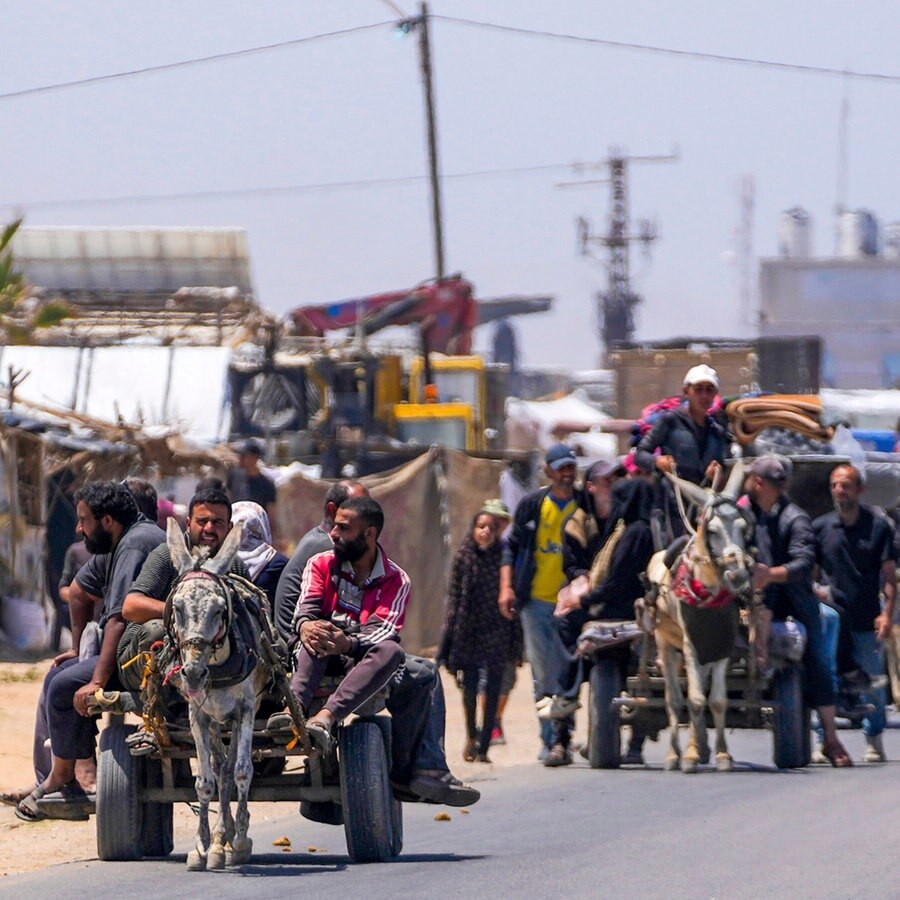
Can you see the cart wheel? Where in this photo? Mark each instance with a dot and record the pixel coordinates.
(371, 816)
(604, 740)
(156, 827)
(790, 720)
(119, 808)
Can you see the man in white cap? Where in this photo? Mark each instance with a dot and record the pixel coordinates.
(690, 441)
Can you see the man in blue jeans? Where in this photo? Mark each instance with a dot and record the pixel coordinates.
(419, 770)
(854, 549)
(531, 576)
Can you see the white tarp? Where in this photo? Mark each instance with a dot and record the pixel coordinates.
(879, 410)
(181, 388)
(537, 424)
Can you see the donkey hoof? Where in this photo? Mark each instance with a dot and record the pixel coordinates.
(196, 861)
(724, 762)
(240, 855)
(216, 859)
(704, 757)
(671, 764)
(689, 766)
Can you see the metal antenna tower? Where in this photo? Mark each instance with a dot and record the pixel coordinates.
(615, 306)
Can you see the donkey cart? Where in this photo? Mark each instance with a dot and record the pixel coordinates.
(627, 687)
(138, 784)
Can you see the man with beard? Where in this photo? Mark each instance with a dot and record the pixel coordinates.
(787, 555)
(208, 522)
(114, 531)
(856, 554)
(352, 606)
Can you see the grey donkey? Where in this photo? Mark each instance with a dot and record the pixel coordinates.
(200, 621)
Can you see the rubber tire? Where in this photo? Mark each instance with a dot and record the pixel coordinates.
(604, 738)
(386, 725)
(369, 816)
(789, 720)
(119, 808)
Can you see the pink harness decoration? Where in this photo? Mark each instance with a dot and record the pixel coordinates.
(693, 593)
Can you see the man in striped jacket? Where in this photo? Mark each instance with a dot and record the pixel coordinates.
(352, 606)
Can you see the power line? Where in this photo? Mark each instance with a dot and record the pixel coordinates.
(197, 60)
(225, 193)
(670, 51)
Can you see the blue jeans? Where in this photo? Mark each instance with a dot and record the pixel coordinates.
(868, 652)
(546, 654)
(831, 628)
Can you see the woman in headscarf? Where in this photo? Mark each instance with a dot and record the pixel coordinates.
(264, 563)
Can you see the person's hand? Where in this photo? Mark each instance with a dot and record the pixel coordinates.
(338, 643)
(83, 695)
(761, 576)
(316, 636)
(66, 655)
(507, 603)
(713, 470)
(567, 604)
(665, 464)
(883, 627)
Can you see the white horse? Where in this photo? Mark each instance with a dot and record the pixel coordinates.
(697, 616)
(222, 674)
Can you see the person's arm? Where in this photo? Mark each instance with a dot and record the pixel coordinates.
(630, 558)
(105, 665)
(801, 558)
(506, 598)
(386, 620)
(645, 457)
(889, 592)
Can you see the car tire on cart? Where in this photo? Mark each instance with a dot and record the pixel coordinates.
(790, 720)
(604, 739)
(373, 823)
(156, 825)
(119, 807)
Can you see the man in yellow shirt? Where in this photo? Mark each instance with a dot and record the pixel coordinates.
(530, 578)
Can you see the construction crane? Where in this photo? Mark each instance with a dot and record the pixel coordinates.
(616, 305)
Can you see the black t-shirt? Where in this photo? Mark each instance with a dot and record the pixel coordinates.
(851, 557)
(158, 574)
(258, 488)
(110, 575)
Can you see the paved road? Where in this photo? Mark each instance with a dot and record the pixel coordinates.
(575, 833)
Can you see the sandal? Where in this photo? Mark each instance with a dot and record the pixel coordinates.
(27, 808)
(320, 736)
(142, 743)
(71, 802)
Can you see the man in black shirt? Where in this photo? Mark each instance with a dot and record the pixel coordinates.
(249, 482)
(787, 556)
(856, 554)
(208, 522)
(115, 532)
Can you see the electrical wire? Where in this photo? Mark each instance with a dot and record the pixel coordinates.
(671, 51)
(184, 63)
(225, 193)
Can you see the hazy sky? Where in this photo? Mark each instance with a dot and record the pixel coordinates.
(350, 109)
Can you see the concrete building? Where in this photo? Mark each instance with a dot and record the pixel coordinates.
(852, 301)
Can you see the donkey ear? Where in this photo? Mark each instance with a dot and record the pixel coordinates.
(735, 481)
(696, 494)
(221, 562)
(178, 551)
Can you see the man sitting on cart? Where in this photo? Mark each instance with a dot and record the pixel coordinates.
(352, 606)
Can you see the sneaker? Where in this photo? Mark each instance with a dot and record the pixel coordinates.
(543, 753)
(542, 707)
(558, 708)
(558, 756)
(875, 749)
(818, 756)
(497, 736)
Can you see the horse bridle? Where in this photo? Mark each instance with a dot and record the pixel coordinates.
(169, 611)
(720, 563)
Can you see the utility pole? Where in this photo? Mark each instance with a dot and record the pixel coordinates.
(616, 305)
(421, 23)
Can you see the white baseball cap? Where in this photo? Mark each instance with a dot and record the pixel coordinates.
(702, 374)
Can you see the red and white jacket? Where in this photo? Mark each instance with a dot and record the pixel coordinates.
(369, 613)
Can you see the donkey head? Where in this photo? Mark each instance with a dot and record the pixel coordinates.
(200, 606)
(724, 530)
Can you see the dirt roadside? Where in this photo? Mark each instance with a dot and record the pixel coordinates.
(30, 846)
